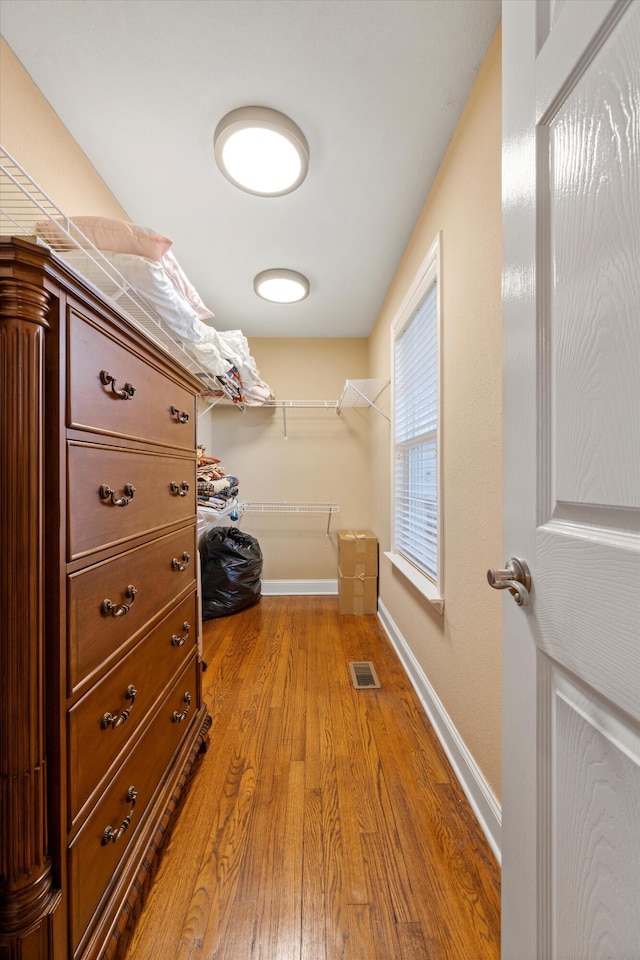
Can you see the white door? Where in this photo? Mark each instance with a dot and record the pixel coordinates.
(571, 194)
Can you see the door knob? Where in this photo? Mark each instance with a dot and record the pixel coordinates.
(516, 578)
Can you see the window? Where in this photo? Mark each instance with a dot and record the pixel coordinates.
(417, 507)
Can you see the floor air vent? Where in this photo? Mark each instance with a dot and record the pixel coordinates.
(363, 675)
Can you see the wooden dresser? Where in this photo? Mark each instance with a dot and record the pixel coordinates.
(101, 718)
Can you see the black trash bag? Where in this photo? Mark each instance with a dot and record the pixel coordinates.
(231, 566)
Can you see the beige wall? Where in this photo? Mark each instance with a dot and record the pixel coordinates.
(460, 651)
(35, 137)
(325, 458)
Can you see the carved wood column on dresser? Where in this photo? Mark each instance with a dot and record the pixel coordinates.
(101, 716)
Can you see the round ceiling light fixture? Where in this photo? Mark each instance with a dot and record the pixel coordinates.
(281, 286)
(261, 151)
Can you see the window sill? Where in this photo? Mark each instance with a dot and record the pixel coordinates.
(425, 586)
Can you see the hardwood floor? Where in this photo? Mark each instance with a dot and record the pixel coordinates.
(324, 822)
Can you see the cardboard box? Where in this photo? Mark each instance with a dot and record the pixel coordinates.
(357, 553)
(357, 595)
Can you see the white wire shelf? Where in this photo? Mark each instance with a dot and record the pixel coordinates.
(355, 393)
(284, 506)
(23, 204)
(309, 404)
(275, 506)
(235, 509)
(285, 405)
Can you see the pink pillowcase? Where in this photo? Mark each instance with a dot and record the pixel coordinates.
(121, 236)
(180, 282)
(105, 233)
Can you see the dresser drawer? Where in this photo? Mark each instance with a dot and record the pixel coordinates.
(92, 856)
(102, 614)
(105, 719)
(116, 494)
(156, 408)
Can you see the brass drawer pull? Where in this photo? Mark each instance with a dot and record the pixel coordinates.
(111, 835)
(113, 720)
(180, 417)
(181, 489)
(177, 641)
(179, 717)
(108, 607)
(127, 391)
(106, 493)
(180, 564)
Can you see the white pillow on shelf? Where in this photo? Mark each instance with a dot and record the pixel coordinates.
(112, 236)
(153, 283)
(184, 286)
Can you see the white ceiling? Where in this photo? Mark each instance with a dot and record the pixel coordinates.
(377, 87)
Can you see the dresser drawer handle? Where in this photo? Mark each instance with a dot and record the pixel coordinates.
(181, 417)
(108, 607)
(113, 720)
(177, 641)
(177, 717)
(111, 835)
(180, 564)
(181, 489)
(106, 493)
(127, 391)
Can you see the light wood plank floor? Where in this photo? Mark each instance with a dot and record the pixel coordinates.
(323, 823)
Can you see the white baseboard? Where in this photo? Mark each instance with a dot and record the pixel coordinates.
(299, 588)
(476, 789)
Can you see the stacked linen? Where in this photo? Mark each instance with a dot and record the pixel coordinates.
(224, 353)
(233, 345)
(215, 489)
(144, 259)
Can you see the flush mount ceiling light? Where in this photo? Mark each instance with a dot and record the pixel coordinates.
(261, 151)
(281, 286)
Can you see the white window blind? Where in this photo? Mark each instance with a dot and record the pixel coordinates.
(416, 361)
